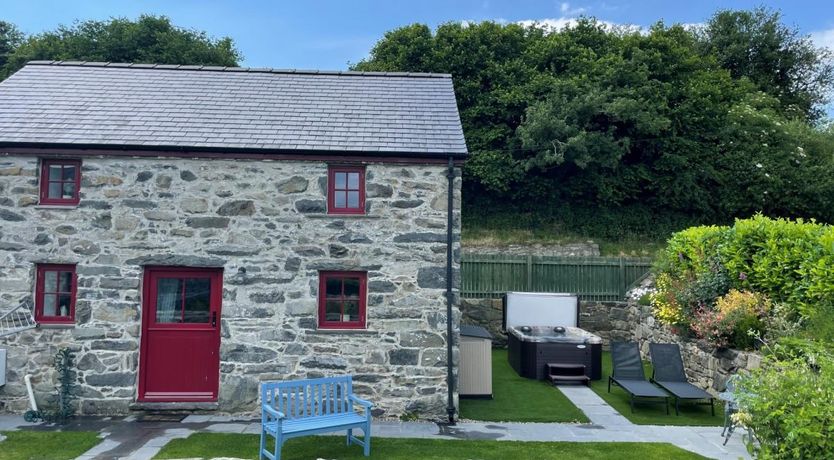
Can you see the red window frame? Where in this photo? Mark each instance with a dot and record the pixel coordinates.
(41, 290)
(363, 295)
(45, 181)
(331, 190)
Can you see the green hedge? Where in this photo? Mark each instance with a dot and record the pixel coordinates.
(790, 262)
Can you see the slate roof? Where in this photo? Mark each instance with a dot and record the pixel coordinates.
(147, 106)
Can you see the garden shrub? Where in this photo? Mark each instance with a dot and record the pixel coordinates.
(786, 403)
(777, 261)
(736, 319)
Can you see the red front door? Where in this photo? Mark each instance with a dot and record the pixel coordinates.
(180, 355)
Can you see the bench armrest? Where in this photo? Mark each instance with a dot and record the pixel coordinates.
(361, 402)
(271, 411)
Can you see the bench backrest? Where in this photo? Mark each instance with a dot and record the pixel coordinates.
(309, 397)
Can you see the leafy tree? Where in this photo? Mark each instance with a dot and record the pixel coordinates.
(783, 63)
(10, 38)
(150, 39)
(615, 126)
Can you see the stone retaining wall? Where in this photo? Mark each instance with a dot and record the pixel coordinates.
(587, 249)
(609, 320)
(265, 224)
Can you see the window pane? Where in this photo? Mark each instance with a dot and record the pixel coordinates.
(169, 300)
(69, 172)
(334, 287)
(50, 305)
(197, 298)
(55, 172)
(339, 200)
(340, 179)
(68, 190)
(50, 281)
(65, 282)
(351, 311)
(353, 181)
(333, 310)
(351, 287)
(64, 305)
(353, 199)
(54, 190)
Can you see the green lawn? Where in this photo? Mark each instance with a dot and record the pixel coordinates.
(518, 399)
(46, 445)
(653, 414)
(209, 445)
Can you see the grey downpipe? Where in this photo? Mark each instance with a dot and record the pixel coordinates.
(450, 376)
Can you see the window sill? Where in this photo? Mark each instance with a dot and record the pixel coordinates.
(56, 325)
(342, 216)
(335, 331)
(56, 206)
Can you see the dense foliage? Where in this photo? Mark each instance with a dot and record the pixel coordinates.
(598, 124)
(786, 403)
(149, 39)
(756, 45)
(759, 275)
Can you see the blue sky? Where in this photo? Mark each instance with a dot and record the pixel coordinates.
(330, 34)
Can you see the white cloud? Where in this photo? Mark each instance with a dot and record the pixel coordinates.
(566, 10)
(824, 38)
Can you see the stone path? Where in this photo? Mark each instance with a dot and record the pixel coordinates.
(127, 438)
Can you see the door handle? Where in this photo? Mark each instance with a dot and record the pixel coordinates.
(214, 319)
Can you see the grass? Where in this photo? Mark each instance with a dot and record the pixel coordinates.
(46, 445)
(211, 445)
(473, 236)
(517, 399)
(653, 414)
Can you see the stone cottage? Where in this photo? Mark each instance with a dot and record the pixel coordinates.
(191, 231)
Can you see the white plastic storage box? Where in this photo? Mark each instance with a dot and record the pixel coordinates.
(475, 376)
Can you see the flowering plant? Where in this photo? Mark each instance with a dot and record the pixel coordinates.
(735, 320)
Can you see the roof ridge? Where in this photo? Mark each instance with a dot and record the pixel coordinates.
(238, 69)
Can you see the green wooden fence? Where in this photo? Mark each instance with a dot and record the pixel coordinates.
(593, 278)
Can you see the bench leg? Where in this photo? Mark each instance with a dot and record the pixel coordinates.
(278, 444)
(349, 434)
(263, 444)
(367, 446)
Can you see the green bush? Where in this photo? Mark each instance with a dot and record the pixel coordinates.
(786, 404)
(791, 263)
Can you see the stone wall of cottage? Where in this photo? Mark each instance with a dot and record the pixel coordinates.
(264, 222)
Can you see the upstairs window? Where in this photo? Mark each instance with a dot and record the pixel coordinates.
(55, 294)
(60, 182)
(342, 300)
(346, 190)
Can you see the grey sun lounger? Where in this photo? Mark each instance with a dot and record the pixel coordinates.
(627, 373)
(669, 374)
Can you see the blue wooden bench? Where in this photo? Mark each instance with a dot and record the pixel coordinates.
(304, 407)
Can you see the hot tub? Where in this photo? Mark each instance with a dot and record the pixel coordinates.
(531, 348)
